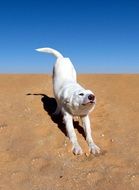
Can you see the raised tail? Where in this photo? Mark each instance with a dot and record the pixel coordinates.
(51, 51)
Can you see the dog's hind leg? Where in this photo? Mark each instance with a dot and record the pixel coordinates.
(58, 110)
(68, 120)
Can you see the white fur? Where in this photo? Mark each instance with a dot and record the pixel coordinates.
(72, 100)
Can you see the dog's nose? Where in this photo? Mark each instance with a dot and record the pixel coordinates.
(91, 97)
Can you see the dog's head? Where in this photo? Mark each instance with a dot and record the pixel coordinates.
(81, 102)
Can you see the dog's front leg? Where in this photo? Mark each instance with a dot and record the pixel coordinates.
(93, 148)
(71, 133)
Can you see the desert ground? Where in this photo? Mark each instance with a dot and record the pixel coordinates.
(35, 152)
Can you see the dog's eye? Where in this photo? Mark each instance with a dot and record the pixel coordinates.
(81, 94)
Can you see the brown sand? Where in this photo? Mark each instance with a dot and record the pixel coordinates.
(35, 153)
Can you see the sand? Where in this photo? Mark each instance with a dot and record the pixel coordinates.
(35, 153)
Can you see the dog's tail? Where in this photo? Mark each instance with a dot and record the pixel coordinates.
(51, 51)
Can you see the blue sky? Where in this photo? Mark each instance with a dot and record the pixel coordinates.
(99, 36)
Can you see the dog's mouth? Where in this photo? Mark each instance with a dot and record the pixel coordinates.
(90, 102)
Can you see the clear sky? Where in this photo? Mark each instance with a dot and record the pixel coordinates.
(100, 36)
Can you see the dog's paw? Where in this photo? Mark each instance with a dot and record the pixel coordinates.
(94, 149)
(76, 149)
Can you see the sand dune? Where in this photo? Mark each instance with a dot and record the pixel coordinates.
(35, 153)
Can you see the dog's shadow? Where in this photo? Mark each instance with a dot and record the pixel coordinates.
(49, 105)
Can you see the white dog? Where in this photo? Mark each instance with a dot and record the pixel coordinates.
(72, 100)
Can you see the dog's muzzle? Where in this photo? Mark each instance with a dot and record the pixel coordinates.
(91, 97)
